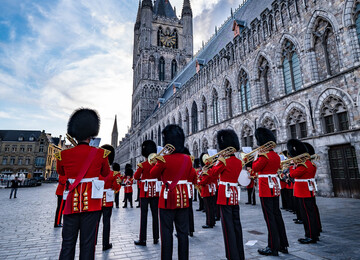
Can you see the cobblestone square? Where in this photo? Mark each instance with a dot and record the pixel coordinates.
(27, 232)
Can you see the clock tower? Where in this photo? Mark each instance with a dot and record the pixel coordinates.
(163, 45)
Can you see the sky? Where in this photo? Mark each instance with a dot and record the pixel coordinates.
(59, 55)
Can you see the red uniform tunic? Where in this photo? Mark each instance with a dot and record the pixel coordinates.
(61, 185)
(252, 180)
(111, 182)
(208, 185)
(192, 180)
(228, 184)
(267, 164)
(128, 181)
(147, 184)
(176, 166)
(69, 164)
(302, 177)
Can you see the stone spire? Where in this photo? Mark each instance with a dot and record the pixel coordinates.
(186, 8)
(114, 134)
(147, 3)
(138, 17)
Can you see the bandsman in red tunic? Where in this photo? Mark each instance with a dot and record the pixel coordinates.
(228, 170)
(251, 187)
(149, 194)
(111, 186)
(304, 190)
(60, 202)
(82, 166)
(119, 177)
(208, 193)
(128, 182)
(174, 172)
(191, 182)
(267, 165)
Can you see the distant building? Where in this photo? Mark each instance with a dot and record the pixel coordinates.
(28, 152)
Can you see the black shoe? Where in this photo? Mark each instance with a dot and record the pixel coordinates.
(298, 222)
(156, 241)
(136, 200)
(307, 240)
(14, 197)
(138, 206)
(117, 207)
(131, 206)
(141, 242)
(295, 219)
(268, 251)
(107, 247)
(60, 225)
(124, 207)
(196, 210)
(254, 204)
(284, 250)
(247, 203)
(217, 219)
(191, 234)
(206, 226)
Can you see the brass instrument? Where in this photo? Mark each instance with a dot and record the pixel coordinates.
(220, 156)
(168, 149)
(300, 159)
(315, 157)
(249, 157)
(71, 139)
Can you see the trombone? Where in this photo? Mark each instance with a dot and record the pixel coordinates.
(300, 159)
(249, 157)
(71, 139)
(168, 149)
(220, 156)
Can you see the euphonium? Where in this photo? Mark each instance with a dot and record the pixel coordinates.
(300, 159)
(249, 157)
(168, 149)
(71, 139)
(211, 160)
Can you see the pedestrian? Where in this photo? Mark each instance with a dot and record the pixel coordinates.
(14, 187)
(82, 166)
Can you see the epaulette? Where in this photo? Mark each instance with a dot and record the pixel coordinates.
(140, 165)
(264, 154)
(303, 164)
(58, 155)
(223, 160)
(106, 153)
(116, 173)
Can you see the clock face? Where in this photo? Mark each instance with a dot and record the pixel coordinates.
(168, 40)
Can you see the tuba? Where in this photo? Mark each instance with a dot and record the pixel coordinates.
(249, 157)
(221, 156)
(300, 159)
(168, 149)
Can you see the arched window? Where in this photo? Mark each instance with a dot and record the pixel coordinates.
(244, 91)
(296, 123)
(269, 124)
(325, 49)
(334, 115)
(195, 152)
(173, 69)
(228, 96)
(357, 20)
(291, 68)
(205, 146)
(159, 34)
(187, 120)
(152, 135)
(215, 143)
(194, 118)
(215, 106)
(175, 34)
(159, 137)
(180, 121)
(247, 137)
(151, 67)
(204, 110)
(161, 69)
(265, 79)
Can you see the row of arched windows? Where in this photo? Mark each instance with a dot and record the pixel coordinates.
(161, 69)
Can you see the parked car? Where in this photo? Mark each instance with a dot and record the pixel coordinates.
(52, 179)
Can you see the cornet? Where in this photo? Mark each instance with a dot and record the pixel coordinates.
(221, 156)
(168, 149)
(249, 157)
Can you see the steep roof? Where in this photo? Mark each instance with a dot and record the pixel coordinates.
(13, 135)
(164, 8)
(246, 14)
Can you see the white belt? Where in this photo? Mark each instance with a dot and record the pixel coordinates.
(304, 180)
(84, 180)
(105, 190)
(149, 180)
(179, 182)
(268, 175)
(228, 183)
(190, 183)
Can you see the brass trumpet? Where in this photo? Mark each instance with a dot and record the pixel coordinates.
(71, 139)
(222, 155)
(300, 159)
(249, 157)
(168, 149)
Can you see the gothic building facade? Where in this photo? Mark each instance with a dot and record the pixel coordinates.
(289, 65)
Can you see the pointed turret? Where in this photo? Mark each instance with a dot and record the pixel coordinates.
(164, 8)
(114, 134)
(138, 18)
(187, 21)
(186, 9)
(147, 3)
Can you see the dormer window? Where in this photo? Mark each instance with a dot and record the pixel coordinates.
(31, 138)
(238, 26)
(199, 64)
(21, 138)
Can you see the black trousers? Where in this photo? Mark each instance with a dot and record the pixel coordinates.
(87, 224)
(318, 220)
(251, 193)
(167, 219)
(308, 215)
(210, 210)
(59, 210)
(191, 217)
(117, 199)
(195, 195)
(290, 199)
(284, 199)
(128, 197)
(154, 203)
(232, 231)
(106, 212)
(297, 208)
(275, 224)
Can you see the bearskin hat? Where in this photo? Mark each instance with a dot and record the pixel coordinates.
(295, 147)
(128, 166)
(310, 149)
(83, 124)
(226, 138)
(111, 156)
(148, 147)
(186, 151)
(201, 159)
(116, 167)
(174, 135)
(196, 163)
(129, 172)
(264, 135)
